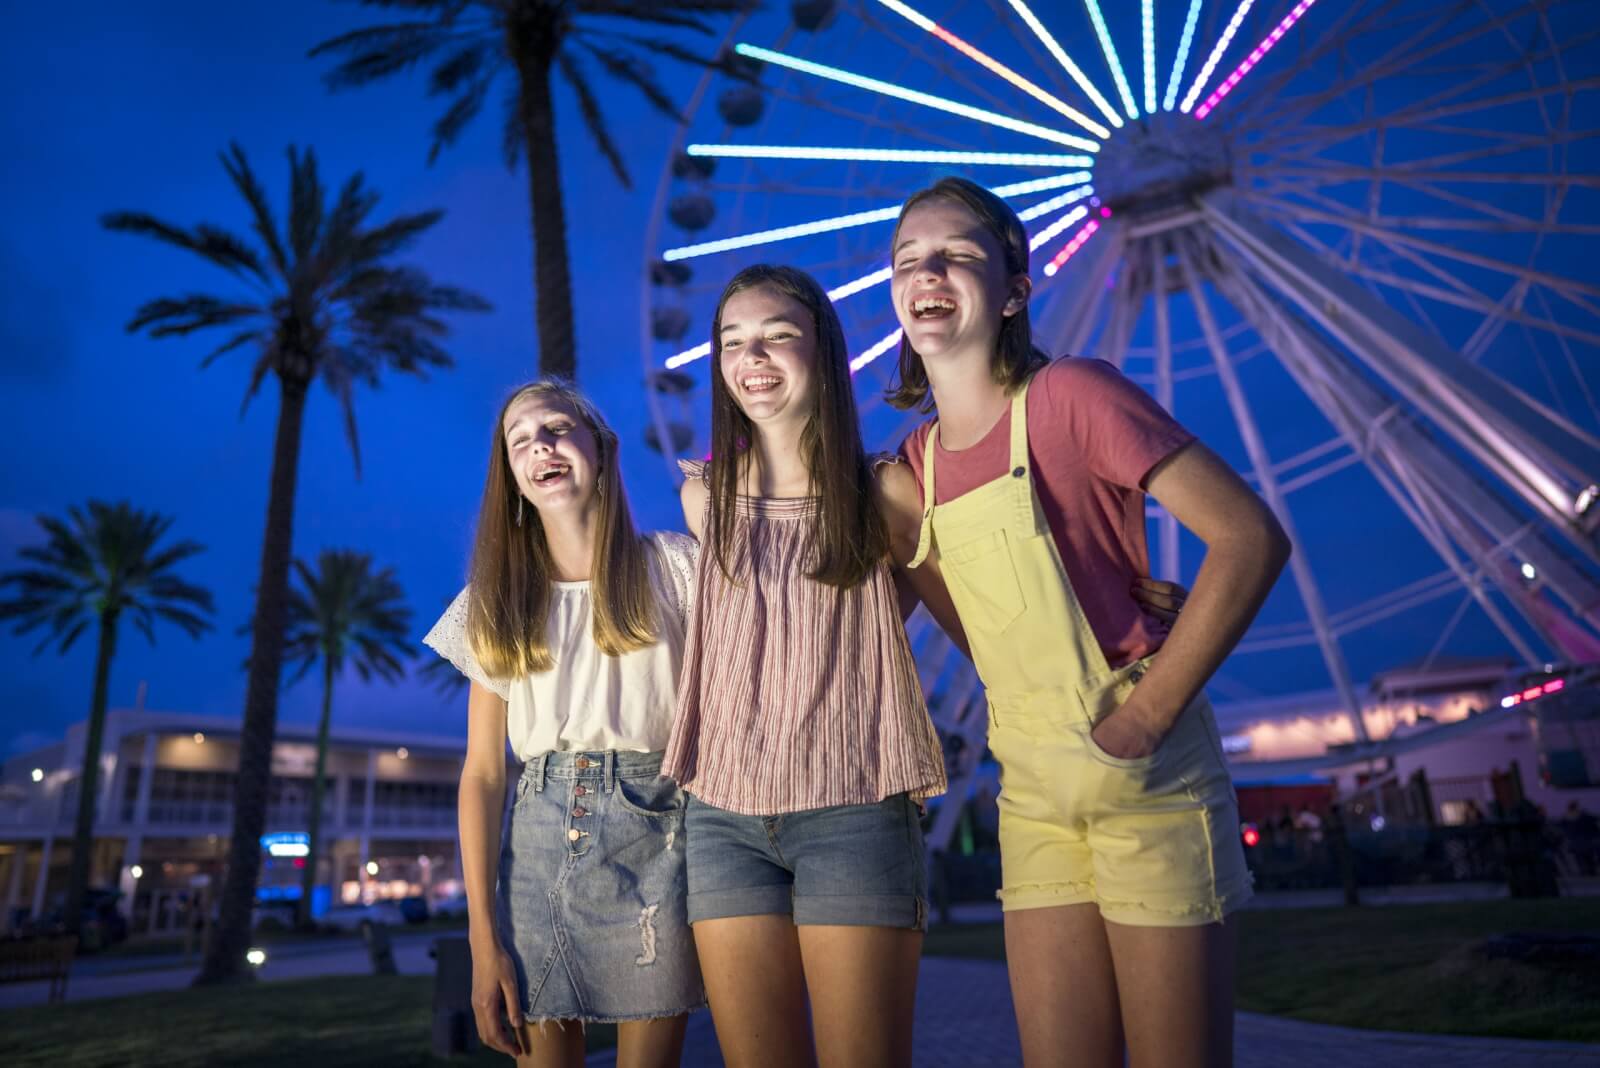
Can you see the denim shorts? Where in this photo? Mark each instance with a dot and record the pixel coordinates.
(851, 865)
(591, 891)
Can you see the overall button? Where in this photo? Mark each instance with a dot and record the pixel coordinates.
(583, 762)
(579, 812)
(579, 790)
(1018, 472)
(574, 834)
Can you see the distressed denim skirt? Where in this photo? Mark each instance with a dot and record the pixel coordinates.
(592, 893)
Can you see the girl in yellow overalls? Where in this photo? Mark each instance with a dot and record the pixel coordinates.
(1118, 823)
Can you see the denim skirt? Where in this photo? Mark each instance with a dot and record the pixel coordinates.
(592, 894)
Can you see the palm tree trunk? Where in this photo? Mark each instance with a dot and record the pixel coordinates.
(225, 962)
(89, 777)
(308, 877)
(552, 282)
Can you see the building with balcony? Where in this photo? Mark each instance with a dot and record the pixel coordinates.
(165, 809)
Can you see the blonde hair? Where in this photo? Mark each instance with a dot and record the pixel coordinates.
(511, 568)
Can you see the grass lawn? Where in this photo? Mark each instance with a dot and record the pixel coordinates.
(345, 1020)
(1396, 968)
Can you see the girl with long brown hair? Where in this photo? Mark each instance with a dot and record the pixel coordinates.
(1119, 829)
(571, 630)
(802, 736)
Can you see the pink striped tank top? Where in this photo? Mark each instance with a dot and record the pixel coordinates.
(796, 694)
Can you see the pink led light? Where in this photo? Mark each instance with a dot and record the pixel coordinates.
(1555, 684)
(1253, 58)
(1531, 692)
(996, 67)
(1071, 247)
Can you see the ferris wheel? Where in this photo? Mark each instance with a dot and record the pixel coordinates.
(1377, 209)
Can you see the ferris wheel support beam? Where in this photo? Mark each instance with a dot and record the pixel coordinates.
(1372, 422)
(1429, 485)
(1547, 466)
(1167, 525)
(1261, 461)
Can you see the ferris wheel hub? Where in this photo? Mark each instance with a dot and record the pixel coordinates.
(1160, 162)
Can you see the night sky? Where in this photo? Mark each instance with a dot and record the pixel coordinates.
(125, 107)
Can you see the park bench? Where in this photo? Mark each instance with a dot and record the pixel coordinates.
(35, 959)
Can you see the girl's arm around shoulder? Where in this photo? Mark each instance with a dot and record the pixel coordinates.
(900, 504)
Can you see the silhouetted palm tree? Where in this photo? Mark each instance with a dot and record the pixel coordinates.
(342, 614)
(474, 42)
(100, 567)
(319, 300)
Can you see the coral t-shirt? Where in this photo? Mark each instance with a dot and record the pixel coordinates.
(1093, 436)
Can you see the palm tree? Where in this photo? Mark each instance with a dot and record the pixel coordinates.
(475, 41)
(320, 300)
(343, 613)
(99, 567)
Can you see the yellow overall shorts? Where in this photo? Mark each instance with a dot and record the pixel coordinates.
(1152, 841)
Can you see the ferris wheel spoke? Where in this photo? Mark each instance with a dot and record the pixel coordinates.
(853, 219)
(1573, 366)
(1427, 111)
(1286, 112)
(1555, 282)
(1229, 31)
(843, 153)
(994, 66)
(1059, 54)
(939, 103)
(950, 74)
(892, 127)
(1330, 40)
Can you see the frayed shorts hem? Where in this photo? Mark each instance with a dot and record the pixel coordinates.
(584, 1020)
(1127, 913)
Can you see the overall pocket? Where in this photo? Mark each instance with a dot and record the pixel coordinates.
(983, 582)
(1100, 696)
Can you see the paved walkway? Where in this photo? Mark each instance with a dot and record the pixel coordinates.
(964, 1020)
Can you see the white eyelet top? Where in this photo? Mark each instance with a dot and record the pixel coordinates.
(590, 701)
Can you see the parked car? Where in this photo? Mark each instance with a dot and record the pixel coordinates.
(279, 911)
(414, 909)
(361, 917)
(453, 907)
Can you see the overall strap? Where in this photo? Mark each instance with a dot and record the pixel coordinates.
(925, 534)
(1022, 484)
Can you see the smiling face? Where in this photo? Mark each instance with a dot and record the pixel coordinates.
(552, 452)
(767, 357)
(951, 287)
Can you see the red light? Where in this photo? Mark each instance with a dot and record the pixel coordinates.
(1532, 692)
(1251, 836)
(299, 862)
(1554, 684)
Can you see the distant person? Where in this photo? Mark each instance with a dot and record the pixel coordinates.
(571, 631)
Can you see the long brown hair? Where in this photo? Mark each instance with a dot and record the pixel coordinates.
(511, 568)
(850, 534)
(1015, 356)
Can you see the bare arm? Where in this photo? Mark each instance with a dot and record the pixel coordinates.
(480, 803)
(900, 503)
(693, 494)
(1245, 551)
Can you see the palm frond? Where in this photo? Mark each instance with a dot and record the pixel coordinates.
(593, 118)
(628, 67)
(176, 316)
(306, 203)
(461, 111)
(376, 52)
(226, 250)
(266, 226)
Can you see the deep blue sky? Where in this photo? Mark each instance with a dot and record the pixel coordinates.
(126, 107)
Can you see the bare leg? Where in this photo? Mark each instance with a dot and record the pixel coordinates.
(1176, 990)
(757, 989)
(863, 983)
(1064, 987)
(651, 1043)
(558, 1044)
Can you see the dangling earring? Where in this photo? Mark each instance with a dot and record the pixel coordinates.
(519, 509)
